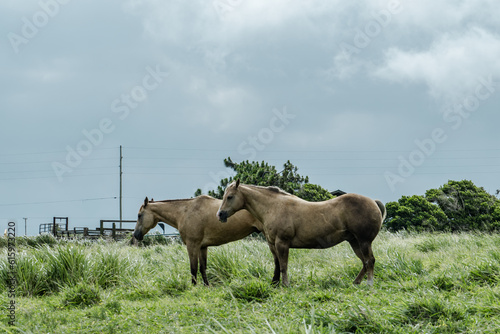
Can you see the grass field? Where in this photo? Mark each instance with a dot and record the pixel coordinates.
(424, 283)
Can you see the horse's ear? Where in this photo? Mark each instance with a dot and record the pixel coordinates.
(146, 201)
(237, 183)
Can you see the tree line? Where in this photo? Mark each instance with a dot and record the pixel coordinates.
(454, 206)
(263, 174)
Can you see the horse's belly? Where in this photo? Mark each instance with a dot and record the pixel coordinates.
(320, 241)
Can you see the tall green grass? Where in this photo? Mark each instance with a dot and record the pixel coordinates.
(47, 269)
(424, 283)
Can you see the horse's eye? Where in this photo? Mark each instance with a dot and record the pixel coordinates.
(230, 197)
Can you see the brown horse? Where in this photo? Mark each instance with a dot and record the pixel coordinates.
(197, 224)
(291, 222)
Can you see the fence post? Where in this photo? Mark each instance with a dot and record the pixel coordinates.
(102, 228)
(113, 232)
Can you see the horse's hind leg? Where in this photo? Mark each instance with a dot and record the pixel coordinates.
(366, 249)
(357, 250)
(365, 253)
(203, 265)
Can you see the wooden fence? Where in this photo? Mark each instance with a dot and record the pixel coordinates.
(107, 228)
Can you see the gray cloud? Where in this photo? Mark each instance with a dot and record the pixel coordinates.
(364, 81)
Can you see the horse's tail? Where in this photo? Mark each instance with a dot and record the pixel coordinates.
(383, 211)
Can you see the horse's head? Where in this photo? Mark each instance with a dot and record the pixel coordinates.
(146, 220)
(232, 202)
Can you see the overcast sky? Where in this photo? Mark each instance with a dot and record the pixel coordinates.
(382, 98)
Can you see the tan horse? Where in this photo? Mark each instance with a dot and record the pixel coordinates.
(291, 222)
(196, 222)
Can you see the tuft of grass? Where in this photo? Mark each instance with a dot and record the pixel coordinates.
(223, 265)
(323, 296)
(329, 282)
(80, 295)
(318, 320)
(445, 283)
(39, 240)
(485, 273)
(172, 285)
(66, 265)
(400, 267)
(108, 267)
(31, 275)
(138, 290)
(360, 319)
(432, 310)
(433, 244)
(156, 239)
(251, 290)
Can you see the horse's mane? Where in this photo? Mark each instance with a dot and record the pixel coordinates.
(181, 199)
(172, 200)
(274, 189)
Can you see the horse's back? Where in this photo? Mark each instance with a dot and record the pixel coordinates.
(325, 224)
(206, 227)
(361, 215)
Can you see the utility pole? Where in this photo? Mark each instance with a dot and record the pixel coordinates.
(121, 158)
(25, 225)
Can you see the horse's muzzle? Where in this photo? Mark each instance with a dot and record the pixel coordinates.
(138, 235)
(222, 216)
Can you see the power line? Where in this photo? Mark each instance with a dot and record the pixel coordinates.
(51, 152)
(65, 201)
(51, 170)
(53, 177)
(49, 161)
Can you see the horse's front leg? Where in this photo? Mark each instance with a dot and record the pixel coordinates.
(282, 250)
(194, 255)
(203, 265)
(276, 276)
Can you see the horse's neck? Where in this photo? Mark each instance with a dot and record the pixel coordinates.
(170, 212)
(258, 201)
